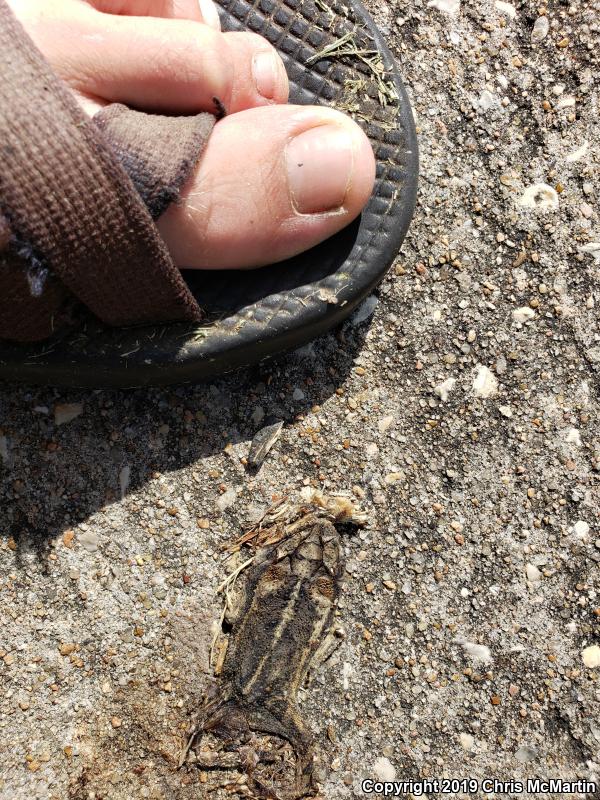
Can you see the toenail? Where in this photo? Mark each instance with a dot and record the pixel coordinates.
(319, 164)
(265, 69)
(210, 15)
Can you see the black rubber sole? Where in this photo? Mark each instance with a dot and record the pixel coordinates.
(257, 314)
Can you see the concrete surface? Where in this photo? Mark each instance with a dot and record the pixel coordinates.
(463, 415)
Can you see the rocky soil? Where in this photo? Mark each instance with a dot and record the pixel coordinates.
(459, 407)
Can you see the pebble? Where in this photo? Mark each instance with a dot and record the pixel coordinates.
(579, 153)
(478, 652)
(581, 529)
(394, 477)
(485, 102)
(364, 311)
(539, 197)
(526, 753)
(466, 741)
(533, 573)
(89, 541)
(540, 30)
(523, 314)
(484, 382)
(446, 6)
(67, 412)
(506, 411)
(591, 656)
(443, 389)
(384, 770)
(593, 248)
(573, 437)
(227, 499)
(347, 671)
(568, 101)
(371, 450)
(258, 415)
(298, 394)
(385, 423)
(506, 8)
(263, 441)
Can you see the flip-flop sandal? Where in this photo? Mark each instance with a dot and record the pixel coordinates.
(334, 55)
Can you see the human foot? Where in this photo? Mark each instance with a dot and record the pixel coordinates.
(274, 179)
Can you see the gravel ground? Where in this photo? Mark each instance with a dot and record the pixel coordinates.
(459, 407)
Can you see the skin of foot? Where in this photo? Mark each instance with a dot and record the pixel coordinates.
(274, 179)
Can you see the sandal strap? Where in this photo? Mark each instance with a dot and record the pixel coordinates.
(157, 152)
(77, 224)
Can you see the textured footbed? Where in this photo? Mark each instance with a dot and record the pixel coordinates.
(256, 314)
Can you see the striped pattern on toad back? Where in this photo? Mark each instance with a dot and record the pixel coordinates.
(279, 630)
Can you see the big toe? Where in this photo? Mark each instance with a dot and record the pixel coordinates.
(273, 181)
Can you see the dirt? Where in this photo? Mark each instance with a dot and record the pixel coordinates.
(461, 413)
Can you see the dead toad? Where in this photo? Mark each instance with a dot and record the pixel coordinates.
(281, 627)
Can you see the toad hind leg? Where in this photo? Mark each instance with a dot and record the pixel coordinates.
(292, 729)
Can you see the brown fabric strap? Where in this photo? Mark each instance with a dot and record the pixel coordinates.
(77, 223)
(25, 317)
(157, 152)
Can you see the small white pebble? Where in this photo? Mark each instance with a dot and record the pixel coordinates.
(581, 529)
(443, 389)
(89, 541)
(485, 102)
(447, 6)
(394, 477)
(533, 573)
(384, 770)
(573, 437)
(568, 101)
(371, 450)
(578, 153)
(385, 423)
(523, 314)
(525, 753)
(540, 29)
(466, 741)
(485, 383)
(347, 670)
(593, 248)
(540, 197)
(478, 652)
(227, 499)
(506, 8)
(591, 656)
